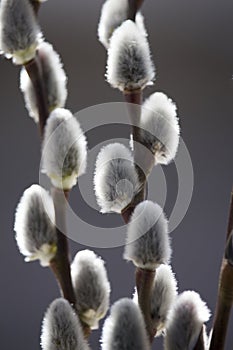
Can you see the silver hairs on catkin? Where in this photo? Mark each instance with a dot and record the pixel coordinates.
(34, 225)
(115, 181)
(147, 241)
(91, 286)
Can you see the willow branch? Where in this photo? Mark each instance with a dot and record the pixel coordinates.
(60, 265)
(34, 71)
(144, 285)
(225, 297)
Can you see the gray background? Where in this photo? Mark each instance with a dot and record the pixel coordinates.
(192, 47)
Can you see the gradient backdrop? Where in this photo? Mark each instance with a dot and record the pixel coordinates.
(192, 46)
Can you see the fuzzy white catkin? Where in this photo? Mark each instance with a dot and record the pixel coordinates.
(113, 14)
(129, 65)
(54, 78)
(61, 329)
(124, 329)
(91, 286)
(163, 296)
(115, 180)
(64, 149)
(185, 321)
(147, 241)
(19, 31)
(160, 127)
(34, 225)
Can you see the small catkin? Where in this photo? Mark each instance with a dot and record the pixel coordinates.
(54, 79)
(34, 225)
(19, 31)
(129, 65)
(61, 329)
(64, 149)
(160, 127)
(185, 321)
(147, 241)
(113, 14)
(124, 329)
(115, 180)
(91, 286)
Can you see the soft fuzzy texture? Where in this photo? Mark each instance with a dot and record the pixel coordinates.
(124, 329)
(54, 79)
(185, 321)
(34, 225)
(115, 180)
(163, 296)
(61, 329)
(113, 14)
(160, 127)
(91, 287)
(129, 65)
(64, 149)
(147, 241)
(19, 31)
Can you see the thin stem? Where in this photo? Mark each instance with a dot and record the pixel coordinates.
(134, 6)
(225, 297)
(60, 265)
(127, 212)
(200, 345)
(36, 6)
(34, 71)
(144, 285)
(230, 220)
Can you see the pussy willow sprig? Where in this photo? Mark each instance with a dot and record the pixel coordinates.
(120, 182)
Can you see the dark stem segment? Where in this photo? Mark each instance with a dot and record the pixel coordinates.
(200, 345)
(230, 220)
(223, 308)
(134, 6)
(128, 211)
(60, 265)
(144, 285)
(225, 296)
(36, 6)
(34, 71)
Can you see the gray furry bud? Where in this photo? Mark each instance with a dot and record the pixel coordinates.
(61, 329)
(19, 31)
(35, 232)
(147, 242)
(129, 65)
(54, 79)
(113, 14)
(185, 321)
(163, 296)
(64, 149)
(159, 127)
(124, 329)
(91, 286)
(115, 181)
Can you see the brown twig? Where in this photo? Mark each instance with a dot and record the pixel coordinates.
(225, 297)
(36, 6)
(60, 265)
(34, 71)
(144, 285)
